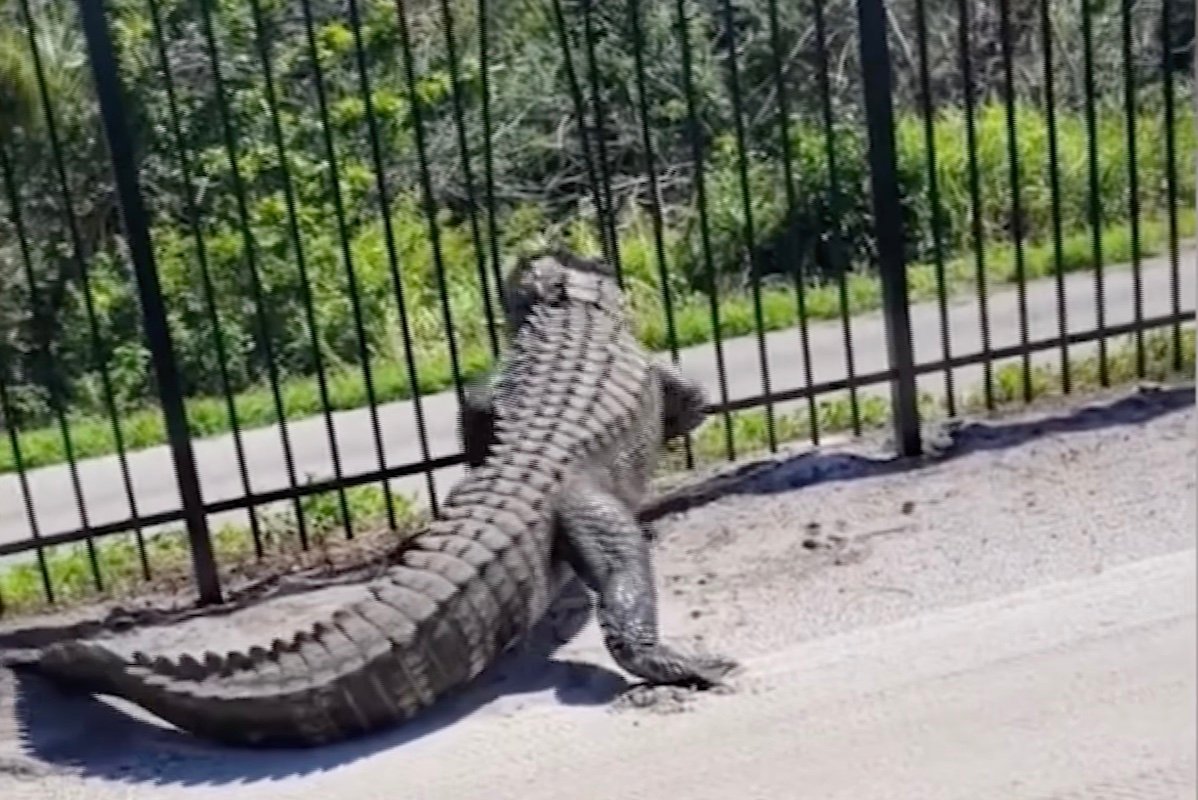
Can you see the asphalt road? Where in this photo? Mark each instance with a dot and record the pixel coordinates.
(153, 474)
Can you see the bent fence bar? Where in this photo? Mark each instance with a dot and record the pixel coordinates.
(250, 253)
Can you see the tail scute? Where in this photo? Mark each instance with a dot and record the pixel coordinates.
(190, 668)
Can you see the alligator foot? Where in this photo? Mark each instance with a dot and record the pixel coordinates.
(661, 664)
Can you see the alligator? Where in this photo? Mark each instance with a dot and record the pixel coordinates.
(561, 439)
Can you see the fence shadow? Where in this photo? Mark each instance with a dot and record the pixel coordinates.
(91, 737)
(86, 736)
(817, 466)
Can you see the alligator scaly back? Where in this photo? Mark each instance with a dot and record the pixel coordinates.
(572, 382)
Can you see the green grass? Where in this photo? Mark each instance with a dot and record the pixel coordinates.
(92, 436)
(120, 563)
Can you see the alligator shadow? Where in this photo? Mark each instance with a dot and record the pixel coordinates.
(774, 476)
(83, 735)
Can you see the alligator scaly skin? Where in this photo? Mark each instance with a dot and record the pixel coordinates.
(573, 422)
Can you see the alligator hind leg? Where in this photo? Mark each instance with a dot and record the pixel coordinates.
(476, 420)
(683, 400)
(606, 546)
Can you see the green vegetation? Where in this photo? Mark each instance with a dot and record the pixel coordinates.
(233, 226)
(69, 565)
(91, 434)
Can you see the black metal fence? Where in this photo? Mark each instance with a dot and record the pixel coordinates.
(250, 252)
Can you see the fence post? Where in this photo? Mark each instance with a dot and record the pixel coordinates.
(125, 173)
(888, 222)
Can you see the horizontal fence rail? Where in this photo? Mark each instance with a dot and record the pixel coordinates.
(252, 253)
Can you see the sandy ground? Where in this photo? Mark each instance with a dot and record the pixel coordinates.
(1012, 619)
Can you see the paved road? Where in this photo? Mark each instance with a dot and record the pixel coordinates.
(153, 474)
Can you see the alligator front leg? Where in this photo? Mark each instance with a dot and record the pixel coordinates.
(606, 546)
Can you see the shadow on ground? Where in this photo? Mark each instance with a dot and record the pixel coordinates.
(91, 737)
(81, 734)
(788, 473)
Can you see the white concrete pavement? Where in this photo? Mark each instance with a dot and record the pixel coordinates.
(153, 474)
(1084, 690)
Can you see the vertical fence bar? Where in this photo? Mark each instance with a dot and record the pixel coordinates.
(1171, 179)
(459, 119)
(792, 210)
(659, 247)
(301, 262)
(1095, 199)
(1007, 46)
(1054, 183)
(384, 194)
(137, 232)
(45, 364)
(747, 230)
(588, 34)
(965, 55)
(187, 182)
(430, 203)
(831, 246)
(347, 258)
(937, 216)
(81, 262)
(484, 85)
(1133, 185)
(250, 254)
(695, 135)
(888, 221)
(8, 421)
(576, 96)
